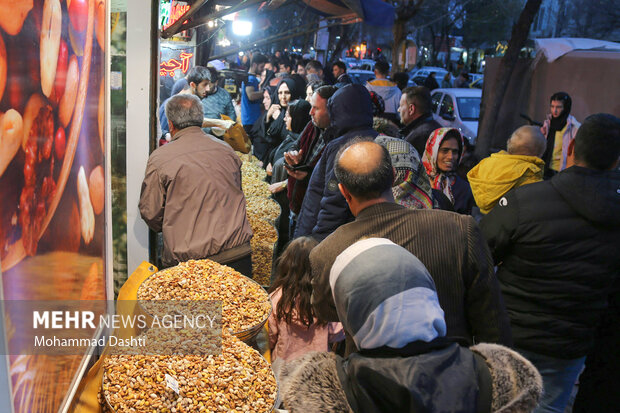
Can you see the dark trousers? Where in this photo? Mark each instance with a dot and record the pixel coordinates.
(243, 265)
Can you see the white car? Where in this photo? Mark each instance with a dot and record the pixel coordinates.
(361, 76)
(418, 76)
(458, 108)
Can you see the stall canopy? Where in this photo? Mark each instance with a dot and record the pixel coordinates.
(557, 47)
(374, 12)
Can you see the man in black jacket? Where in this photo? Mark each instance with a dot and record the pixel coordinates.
(556, 244)
(415, 113)
(324, 209)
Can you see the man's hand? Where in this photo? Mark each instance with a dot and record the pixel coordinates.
(277, 187)
(218, 123)
(299, 175)
(269, 169)
(293, 157)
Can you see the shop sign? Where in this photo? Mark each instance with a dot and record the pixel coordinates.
(170, 66)
(170, 12)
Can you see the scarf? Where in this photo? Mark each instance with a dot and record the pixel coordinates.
(441, 181)
(557, 124)
(411, 187)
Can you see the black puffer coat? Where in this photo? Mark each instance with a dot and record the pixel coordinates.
(557, 244)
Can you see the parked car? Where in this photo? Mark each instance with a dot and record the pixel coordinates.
(351, 62)
(419, 76)
(477, 81)
(361, 76)
(458, 108)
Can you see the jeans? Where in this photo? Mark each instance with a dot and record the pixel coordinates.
(559, 377)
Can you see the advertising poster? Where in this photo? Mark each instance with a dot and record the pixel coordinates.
(52, 176)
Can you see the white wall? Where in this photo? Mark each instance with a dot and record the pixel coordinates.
(138, 79)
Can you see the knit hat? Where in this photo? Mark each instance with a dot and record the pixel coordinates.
(385, 296)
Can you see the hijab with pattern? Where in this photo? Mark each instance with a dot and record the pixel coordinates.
(440, 180)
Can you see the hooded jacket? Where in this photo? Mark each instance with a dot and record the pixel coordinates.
(388, 90)
(312, 382)
(324, 208)
(556, 243)
(494, 176)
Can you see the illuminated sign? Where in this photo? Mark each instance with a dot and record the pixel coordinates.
(171, 12)
(169, 67)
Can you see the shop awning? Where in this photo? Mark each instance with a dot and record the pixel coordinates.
(373, 12)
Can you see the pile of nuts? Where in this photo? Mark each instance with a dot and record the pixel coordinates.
(265, 236)
(262, 207)
(239, 379)
(262, 212)
(252, 186)
(244, 303)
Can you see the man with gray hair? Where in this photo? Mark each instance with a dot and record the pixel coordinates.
(192, 193)
(494, 176)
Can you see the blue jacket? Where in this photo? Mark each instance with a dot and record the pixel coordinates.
(324, 208)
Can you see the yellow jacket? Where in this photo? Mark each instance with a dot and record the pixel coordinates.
(499, 173)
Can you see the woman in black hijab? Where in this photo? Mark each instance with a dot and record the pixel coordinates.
(270, 130)
(296, 118)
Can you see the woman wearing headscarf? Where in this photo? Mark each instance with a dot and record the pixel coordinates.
(296, 118)
(411, 187)
(560, 128)
(443, 152)
(387, 302)
(272, 131)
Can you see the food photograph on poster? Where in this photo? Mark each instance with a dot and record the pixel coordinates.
(52, 173)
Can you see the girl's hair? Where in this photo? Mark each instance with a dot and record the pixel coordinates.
(293, 275)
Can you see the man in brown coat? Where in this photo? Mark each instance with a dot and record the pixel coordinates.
(192, 193)
(448, 244)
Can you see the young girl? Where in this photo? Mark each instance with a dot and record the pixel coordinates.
(293, 329)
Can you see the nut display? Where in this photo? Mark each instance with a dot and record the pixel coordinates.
(239, 379)
(244, 303)
(262, 207)
(265, 236)
(253, 186)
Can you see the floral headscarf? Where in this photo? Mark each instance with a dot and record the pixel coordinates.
(442, 181)
(411, 187)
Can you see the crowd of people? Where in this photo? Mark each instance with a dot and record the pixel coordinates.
(453, 289)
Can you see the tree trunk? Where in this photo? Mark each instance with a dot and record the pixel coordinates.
(399, 35)
(404, 13)
(520, 32)
(344, 41)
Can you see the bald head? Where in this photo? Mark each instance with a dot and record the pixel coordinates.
(527, 140)
(364, 168)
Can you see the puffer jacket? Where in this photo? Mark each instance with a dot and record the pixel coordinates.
(449, 380)
(324, 208)
(556, 243)
(494, 176)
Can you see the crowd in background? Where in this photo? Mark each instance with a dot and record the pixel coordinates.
(381, 216)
